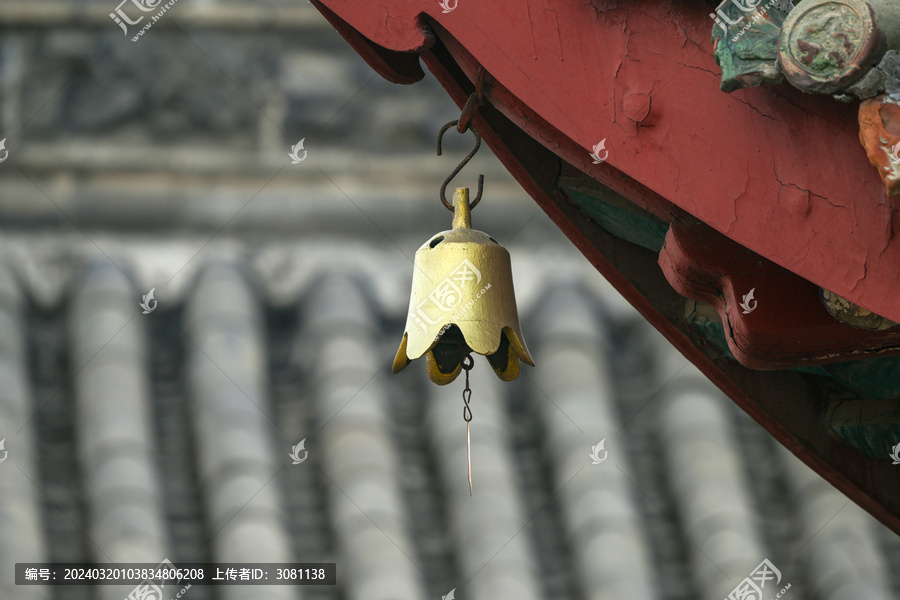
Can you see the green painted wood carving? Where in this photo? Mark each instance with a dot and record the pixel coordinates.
(745, 41)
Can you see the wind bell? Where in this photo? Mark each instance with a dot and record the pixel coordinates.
(462, 301)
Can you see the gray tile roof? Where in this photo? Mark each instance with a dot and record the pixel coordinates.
(20, 498)
(113, 404)
(169, 435)
(355, 447)
(576, 392)
(238, 461)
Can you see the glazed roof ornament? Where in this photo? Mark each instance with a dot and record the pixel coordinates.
(818, 46)
(847, 48)
(745, 42)
(827, 45)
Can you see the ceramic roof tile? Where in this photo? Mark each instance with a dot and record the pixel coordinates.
(113, 404)
(359, 464)
(243, 506)
(21, 527)
(575, 390)
(842, 557)
(383, 493)
(712, 492)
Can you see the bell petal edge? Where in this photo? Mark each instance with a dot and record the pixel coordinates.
(401, 360)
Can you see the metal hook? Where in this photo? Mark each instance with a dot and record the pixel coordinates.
(459, 167)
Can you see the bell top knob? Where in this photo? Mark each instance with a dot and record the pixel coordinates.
(462, 213)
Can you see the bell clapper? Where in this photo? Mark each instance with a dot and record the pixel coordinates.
(467, 365)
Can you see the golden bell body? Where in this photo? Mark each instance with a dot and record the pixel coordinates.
(462, 301)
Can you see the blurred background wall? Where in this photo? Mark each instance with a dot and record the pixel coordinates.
(280, 293)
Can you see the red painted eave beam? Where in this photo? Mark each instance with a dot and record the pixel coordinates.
(777, 171)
